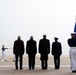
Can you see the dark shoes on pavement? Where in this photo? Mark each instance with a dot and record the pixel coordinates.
(44, 68)
(74, 71)
(31, 68)
(20, 68)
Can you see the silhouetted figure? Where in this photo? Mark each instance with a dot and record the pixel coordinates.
(72, 44)
(44, 50)
(3, 53)
(18, 50)
(56, 52)
(31, 50)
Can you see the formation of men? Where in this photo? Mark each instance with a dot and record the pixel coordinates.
(31, 50)
(43, 50)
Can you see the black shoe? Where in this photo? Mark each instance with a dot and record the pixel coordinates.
(43, 68)
(21, 68)
(16, 69)
(13, 60)
(29, 68)
(5, 60)
(74, 71)
(56, 68)
(33, 68)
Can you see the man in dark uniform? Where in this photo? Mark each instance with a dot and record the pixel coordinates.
(56, 52)
(18, 50)
(44, 50)
(72, 44)
(31, 50)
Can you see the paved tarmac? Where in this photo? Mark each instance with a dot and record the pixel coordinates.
(8, 68)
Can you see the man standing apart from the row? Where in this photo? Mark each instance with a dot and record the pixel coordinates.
(18, 50)
(31, 50)
(3, 53)
(44, 50)
(56, 52)
(72, 44)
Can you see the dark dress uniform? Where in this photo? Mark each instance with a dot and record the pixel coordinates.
(31, 50)
(44, 50)
(18, 50)
(56, 52)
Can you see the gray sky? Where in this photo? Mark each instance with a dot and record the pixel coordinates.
(36, 17)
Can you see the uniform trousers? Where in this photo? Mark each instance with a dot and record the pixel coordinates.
(73, 58)
(3, 55)
(57, 62)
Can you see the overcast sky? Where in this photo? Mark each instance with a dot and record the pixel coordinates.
(36, 17)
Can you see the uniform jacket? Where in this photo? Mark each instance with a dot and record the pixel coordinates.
(72, 42)
(56, 49)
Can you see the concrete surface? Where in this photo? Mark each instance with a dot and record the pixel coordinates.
(8, 68)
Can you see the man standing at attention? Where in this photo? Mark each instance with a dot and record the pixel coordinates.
(44, 50)
(56, 52)
(31, 50)
(72, 44)
(18, 50)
